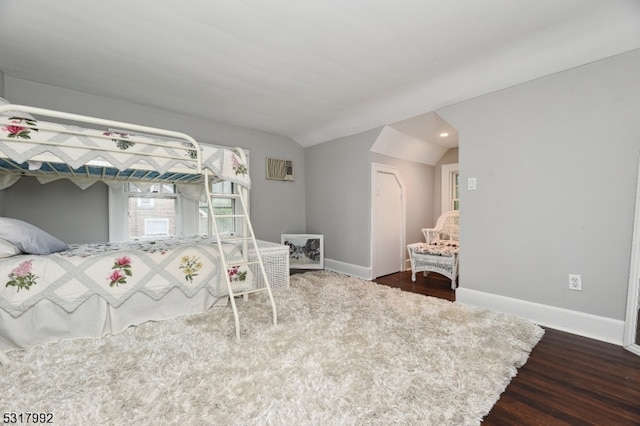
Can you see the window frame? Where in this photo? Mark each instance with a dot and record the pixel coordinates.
(187, 218)
(234, 208)
(448, 187)
(119, 196)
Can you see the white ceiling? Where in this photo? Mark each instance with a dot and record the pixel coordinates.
(313, 70)
(425, 139)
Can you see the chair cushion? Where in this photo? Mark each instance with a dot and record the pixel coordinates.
(438, 248)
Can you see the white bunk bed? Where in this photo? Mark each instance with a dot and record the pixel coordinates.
(94, 290)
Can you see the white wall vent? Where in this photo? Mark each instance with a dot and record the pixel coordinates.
(278, 169)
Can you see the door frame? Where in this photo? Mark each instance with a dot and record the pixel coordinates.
(633, 299)
(383, 168)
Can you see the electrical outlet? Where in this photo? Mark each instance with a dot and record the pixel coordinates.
(575, 282)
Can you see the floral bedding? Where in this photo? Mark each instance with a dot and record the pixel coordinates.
(115, 271)
(27, 139)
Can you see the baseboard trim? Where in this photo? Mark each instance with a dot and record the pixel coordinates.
(580, 323)
(348, 269)
(407, 265)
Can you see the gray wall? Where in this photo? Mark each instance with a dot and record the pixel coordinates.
(276, 207)
(556, 163)
(60, 207)
(339, 191)
(338, 202)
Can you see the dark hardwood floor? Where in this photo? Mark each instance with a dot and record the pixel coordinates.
(568, 379)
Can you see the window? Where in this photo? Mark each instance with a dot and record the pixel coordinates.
(220, 206)
(455, 190)
(152, 211)
(156, 227)
(450, 187)
(146, 202)
(142, 211)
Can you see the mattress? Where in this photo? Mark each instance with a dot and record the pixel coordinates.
(116, 271)
(148, 294)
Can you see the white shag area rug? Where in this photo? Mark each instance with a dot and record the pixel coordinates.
(345, 352)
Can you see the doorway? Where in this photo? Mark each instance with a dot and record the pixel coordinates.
(387, 221)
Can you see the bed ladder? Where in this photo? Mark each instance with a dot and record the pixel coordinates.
(248, 240)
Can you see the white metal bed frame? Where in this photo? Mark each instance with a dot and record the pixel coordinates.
(188, 155)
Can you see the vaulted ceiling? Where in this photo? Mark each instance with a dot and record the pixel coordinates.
(313, 70)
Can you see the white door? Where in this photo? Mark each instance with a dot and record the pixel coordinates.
(388, 223)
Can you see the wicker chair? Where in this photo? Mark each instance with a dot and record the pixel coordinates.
(440, 251)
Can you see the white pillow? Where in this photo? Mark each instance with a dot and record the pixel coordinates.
(7, 249)
(28, 238)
